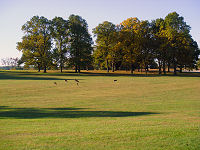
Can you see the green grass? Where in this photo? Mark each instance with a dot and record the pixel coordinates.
(136, 112)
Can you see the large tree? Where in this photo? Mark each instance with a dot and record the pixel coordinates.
(189, 53)
(128, 42)
(36, 43)
(143, 46)
(177, 31)
(60, 33)
(30, 51)
(105, 40)
(80, 43)
(161, 45)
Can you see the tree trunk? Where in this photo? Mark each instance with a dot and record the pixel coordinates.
(164, 69)
(76, 68)
(61, 68)
(113, 67)
(168, 67)
(181, 68)
(147, 67)
(107, 65)
(61, 58)
(61, 64)
(159, 65)
(79, 69)
(146, 71)
(132, 68)
(38, 68)
(45, 69)
(174, 68)
(174, 63)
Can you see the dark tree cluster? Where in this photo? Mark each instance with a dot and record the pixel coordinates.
(134, 44)
(56, 43)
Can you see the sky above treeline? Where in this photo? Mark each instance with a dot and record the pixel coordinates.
(15, 13)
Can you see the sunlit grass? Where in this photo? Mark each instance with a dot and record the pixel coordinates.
(136, 112)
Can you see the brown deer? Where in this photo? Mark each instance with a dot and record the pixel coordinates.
(76, 80)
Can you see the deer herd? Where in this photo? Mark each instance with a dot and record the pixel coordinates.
(77, 81)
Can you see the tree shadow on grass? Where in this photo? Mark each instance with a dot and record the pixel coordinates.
(36, 113)
(26, 75)
(3, 107)
(6, 75)
(149, 74)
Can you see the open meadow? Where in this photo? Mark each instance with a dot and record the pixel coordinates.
(42, 111)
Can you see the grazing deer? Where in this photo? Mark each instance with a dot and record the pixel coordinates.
(76, 80)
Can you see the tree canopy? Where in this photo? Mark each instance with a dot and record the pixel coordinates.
(105, 33)
(60, 34)
(80, 43)
(133, 44)
(36, 43)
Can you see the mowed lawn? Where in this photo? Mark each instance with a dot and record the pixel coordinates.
(136, 112)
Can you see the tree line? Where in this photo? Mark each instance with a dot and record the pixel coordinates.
(133, 44)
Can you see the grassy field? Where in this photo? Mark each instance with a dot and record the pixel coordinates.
(136, 112)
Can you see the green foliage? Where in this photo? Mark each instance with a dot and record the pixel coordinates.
(143, 40)
(129, 41)
(177, 33)
(130, 45)
(198, 64)
(70, 38)
(161, 48)
(80, 43)
(60, 34)
(106, 35)
(36, 43)
(138, 44)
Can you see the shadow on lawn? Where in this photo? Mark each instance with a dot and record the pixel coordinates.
(149, 74)
(35, 113)
(14, 75)
(25, 75)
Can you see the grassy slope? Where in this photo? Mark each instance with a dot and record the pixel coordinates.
(155, 112)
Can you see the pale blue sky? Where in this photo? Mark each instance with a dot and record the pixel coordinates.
(15, 13)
